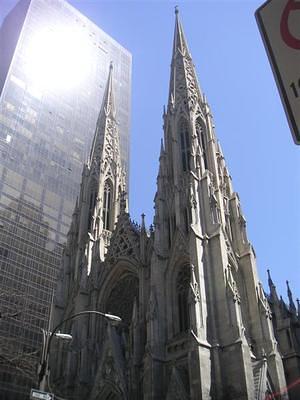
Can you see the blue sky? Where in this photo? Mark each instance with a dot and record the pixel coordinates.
(235, 74)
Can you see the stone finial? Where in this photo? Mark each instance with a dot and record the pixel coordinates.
(194, 288)
(269, 277)
(292, 306)
(143, 221)
(161, 147)
(176, 10)
(283, 306)
(272, 287)
(298, 306)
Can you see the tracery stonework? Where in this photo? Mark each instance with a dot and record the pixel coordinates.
(196, 322)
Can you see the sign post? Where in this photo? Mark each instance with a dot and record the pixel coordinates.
(279, 25)
(36, 394)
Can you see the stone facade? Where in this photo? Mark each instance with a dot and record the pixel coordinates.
(286, 321)
(196, 323)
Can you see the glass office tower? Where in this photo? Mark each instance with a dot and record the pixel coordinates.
(54, 64)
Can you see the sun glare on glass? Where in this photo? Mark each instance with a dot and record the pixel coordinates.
(57, 59)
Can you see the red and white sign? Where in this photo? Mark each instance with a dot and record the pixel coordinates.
(279, 24)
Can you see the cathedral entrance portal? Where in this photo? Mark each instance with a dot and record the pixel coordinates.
(122, 297)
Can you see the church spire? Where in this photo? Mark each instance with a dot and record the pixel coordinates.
(107, 110)
(103, 182)
(184, 87)
(185, 146)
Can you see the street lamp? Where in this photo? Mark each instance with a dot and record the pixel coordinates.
(63, 336)
(43, 367)
(48, 336)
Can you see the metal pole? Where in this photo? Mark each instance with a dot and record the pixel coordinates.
(44, 368)
(44, 359)
(43, 363)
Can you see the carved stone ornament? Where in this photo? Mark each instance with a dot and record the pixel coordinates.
(152, 306)
(263, 302)
(125, 240)
(232, 286)
(193, 201)
(186, 91)
(194, 285)
(193, 97)
(108, 370)
(83, 274)
(179, 248)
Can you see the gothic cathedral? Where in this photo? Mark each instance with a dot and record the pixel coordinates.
(196, 323)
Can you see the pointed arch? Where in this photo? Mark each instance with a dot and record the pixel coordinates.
(122, 296)
(187, 218)
(185, 145)
(107, 204)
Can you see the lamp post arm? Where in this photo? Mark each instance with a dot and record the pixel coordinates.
(48, 340)
(107, 316)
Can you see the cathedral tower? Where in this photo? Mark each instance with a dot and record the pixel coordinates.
(218, 329)
(102, 192)
(196, 322)
(103, 182)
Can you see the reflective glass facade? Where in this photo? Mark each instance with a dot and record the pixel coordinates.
(53, 69)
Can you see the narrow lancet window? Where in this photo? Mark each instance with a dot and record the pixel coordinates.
(92, 204)
(107, 194)
(169, 233)
(187, 219)
(182, 288)
(202, 142)
(185, 146)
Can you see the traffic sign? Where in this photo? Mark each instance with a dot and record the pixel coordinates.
(279, 25)
(36, 394)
